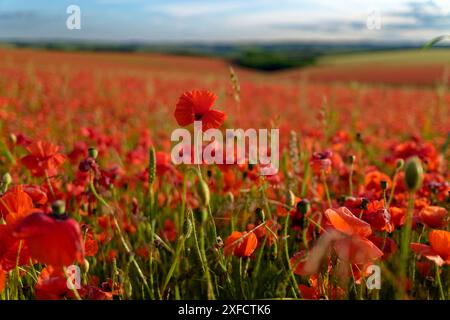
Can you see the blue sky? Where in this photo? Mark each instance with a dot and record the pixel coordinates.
(227, 20)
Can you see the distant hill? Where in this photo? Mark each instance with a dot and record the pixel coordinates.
(260, 56)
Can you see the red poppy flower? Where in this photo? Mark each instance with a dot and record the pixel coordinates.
(196, 105)
(9, 247)
(439, 249)
(44, 157)
(51, 285)
(15, 205)
(56, 242)
(240, 247)
(355, 248)
(169, 232)
(36, 193)
(346, 222)
(2, 279)
(321, 161)
(434, 216)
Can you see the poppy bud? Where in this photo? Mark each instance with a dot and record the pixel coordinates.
(13, 138)
(203, 191)
(85, 266)
(152, 166)
(303, 206)
(290, 198)
(6, 179)
(413, 174)
(352, 159)
(383, 184)
(58, 208)
(230, 197)
(260, 214)
(400, 163)
(187, 228)
(93, 153)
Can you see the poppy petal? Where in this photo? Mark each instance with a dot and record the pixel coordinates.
(345, 221)
(357, 250)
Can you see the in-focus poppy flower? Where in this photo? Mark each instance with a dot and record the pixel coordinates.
(44, 157)
(439, 249)
(15, 205)
(346, 222)
(355, 248)
(240, 247)
(53, 241)
(434, 216)
(196, 105)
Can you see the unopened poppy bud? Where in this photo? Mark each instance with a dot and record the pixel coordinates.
(93, 152)
(85, 266)
(260, 214)
(152, 166)
(6, 179)
(203, 191)
(58, 208)
(290, 198)
(400, 163)
(352, 159)
(413, 174)
(187, 228)
(303, 206)
(383, 184)
(13, 138)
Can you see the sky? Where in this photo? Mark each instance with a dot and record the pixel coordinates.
(227, 20)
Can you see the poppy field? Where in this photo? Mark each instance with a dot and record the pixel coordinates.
(357, 210)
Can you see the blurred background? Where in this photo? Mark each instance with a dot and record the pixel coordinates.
(265, 35)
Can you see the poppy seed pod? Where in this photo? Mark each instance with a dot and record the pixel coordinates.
(290, 198)
(413, 174)
(303, 206)
(93, 152)
(152, 166)
(383, 184)
(58, 208)
(203, 191)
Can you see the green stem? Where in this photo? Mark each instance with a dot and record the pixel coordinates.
(286, 249)
(404, 250)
